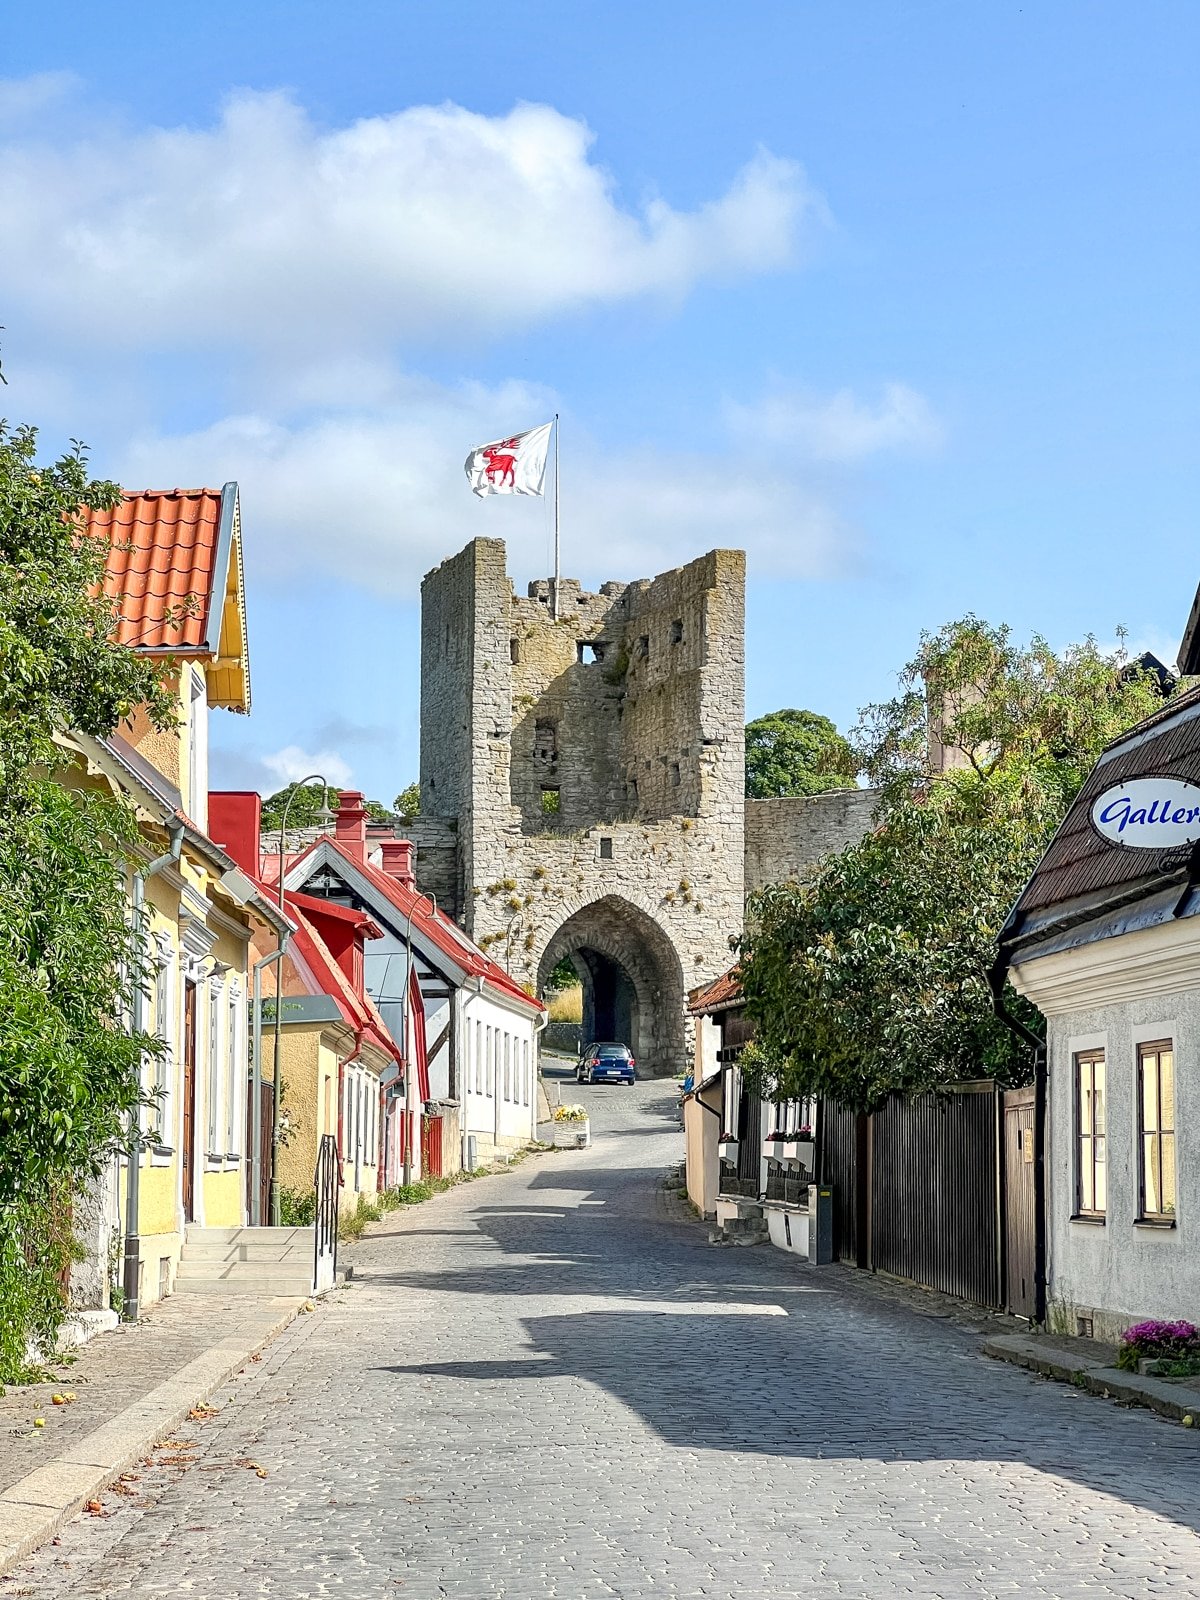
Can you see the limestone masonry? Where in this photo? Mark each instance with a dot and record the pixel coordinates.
(582, 784)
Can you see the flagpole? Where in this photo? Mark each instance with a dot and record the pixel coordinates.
(554, 606)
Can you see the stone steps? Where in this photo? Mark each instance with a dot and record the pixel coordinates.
(271, 1261)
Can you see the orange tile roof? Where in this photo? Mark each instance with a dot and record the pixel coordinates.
(721, 994)
(163, 558)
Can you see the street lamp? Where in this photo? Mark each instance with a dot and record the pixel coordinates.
(324, 817)
(409, 1063)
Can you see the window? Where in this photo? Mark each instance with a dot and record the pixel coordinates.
(675, 778)
(507, 1066)
(164, 980)
(643, 646)
(606, 849)
(590, 650)
(545, 739)
(525, 1061)
(1156, 1131)
(479, 1058)
(490, 1061)
(1091, 1182)
(677, 631)
(213, 1076)
(233, 1074)
(514, 651)
(550, 802)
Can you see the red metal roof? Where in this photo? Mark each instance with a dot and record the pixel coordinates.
(358, 1010)
(162, 561)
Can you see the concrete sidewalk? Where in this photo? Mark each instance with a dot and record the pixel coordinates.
(131, 1388)
(1088, 1364)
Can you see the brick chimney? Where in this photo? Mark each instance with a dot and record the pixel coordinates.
(398, 861)
(351, 826)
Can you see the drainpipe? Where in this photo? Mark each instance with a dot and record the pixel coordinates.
(256, 1074)
(539, 1028)
(130, 1308)
(410, 1064)
(996, 979)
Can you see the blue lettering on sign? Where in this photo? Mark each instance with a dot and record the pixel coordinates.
(1122, 812)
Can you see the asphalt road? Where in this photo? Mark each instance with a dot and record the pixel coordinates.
(548, 1383)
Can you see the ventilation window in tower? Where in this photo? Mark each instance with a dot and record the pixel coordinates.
(643, 646)
(514, 651)
(545, 740)
(675, 774)
(677, 631)
(606, 849)
(589, 650)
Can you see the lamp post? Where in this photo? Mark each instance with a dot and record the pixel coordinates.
(324, 816)
(408, 1060)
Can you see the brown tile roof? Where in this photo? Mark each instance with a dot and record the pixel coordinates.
(722, 994)
(1081, 866)
(163, 558)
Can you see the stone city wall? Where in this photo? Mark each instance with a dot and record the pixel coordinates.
(788, 833)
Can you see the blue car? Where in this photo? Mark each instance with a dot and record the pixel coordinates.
(606, 1063)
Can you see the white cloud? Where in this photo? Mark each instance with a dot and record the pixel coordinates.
(840, 427)
(377, 497)
(293, 762)
(265, 232)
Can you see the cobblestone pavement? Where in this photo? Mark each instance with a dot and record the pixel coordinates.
(547, 1384)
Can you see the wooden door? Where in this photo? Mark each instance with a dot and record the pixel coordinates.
(188, 1152)
(1019, 1211)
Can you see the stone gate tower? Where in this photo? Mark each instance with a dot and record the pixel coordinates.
(582, 781)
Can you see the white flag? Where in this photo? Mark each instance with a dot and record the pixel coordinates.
(511, 466)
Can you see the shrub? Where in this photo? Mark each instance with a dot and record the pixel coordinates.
(1158, 1341)
(297, 1208)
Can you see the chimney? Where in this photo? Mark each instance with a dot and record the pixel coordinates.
(398, 861)
(234, 822)
(351, 825)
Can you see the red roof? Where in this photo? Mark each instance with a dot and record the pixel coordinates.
(357, 1010)
(722, 994)
(162, 560)
(433, 924)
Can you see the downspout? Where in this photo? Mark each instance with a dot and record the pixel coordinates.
(129, 1308)
(539, 1027)
(466, 1121)
(256, 1074)
(996, 981)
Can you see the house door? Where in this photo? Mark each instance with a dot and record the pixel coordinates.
(1019, 1211)
(258, 1205)
(188, 1152)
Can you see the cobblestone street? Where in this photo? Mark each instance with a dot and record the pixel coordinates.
(548, 1384)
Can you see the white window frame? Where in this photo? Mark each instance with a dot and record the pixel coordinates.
(165, 967)
(235, 1034)
(212, 1060)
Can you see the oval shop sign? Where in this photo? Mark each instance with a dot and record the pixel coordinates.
(1149, 813)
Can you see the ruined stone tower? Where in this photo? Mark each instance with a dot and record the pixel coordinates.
(582, 781)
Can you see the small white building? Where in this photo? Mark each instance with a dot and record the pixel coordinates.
(1105, 941)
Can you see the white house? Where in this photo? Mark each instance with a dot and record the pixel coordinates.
(1105, 940)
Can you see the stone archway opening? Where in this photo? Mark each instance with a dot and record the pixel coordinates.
(632, 979)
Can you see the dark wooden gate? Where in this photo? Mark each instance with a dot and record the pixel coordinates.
(1019, 1214)
(431, 1147)
(935, 1192)
(260, 1213)
(838, 1167)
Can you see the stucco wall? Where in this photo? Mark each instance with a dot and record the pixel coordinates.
(700, 1139)
(787, 834)
(1118, 1272)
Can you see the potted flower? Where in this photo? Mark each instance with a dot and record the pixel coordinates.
(571, 1128)
(1170, 1349)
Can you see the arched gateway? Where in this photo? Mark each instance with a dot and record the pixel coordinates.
(633, 988)
(582, 781)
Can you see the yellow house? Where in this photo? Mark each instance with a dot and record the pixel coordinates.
(175, 569)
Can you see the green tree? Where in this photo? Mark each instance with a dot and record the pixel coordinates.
(869, 977)
(305, 810)
(796, 752)
(408, 802)
(69, 1068)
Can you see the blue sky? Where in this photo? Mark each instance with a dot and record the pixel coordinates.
(900, 298)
